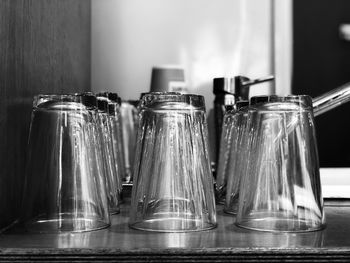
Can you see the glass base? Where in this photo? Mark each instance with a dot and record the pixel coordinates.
(172, 225)
(270, 224)
(65, 225)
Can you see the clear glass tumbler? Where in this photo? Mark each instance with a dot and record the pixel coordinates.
(129, 116)
(238, 158)
(116, 136)
(173, 187)
(239, 155)
(64, 186)
(281, 190)
(114, 109)
(110, 162)
(228, 147)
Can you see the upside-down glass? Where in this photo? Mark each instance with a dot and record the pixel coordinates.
(238, 156)
(113, 182)
(116, 135)
(114, 108)
(129, 129)
(228, 145)
(64, 186)
(173, 187)
(280, 188)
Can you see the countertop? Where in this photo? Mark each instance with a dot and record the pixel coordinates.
(225, 243)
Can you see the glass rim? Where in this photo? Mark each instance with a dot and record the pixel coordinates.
(81, 100)
(274, 102)
(172, 100)
(112, 97)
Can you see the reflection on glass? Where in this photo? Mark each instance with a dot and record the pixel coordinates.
(314, 239)
(81, 240)
(129, 116)
(236, 163)
(224, 155)
(117, 142)
(228, 153)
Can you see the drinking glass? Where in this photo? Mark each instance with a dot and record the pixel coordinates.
(110, 162)
(64, 186)
(228, 147)
(237, 164)
(280, 188)
(173, 187)
(129, 116)
(116, 133)
(239, 153)
(116, 137)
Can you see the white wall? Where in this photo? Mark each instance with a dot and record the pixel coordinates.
(283, 46)
(210, 38)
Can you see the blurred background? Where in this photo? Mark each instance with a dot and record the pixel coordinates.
(209, 39)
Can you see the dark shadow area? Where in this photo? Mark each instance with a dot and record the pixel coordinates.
(321, 62)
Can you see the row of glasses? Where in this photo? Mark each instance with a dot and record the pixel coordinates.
(277, 191)
(74, 169)
(73, 179)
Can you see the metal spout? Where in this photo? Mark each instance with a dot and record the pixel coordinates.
(331, 99)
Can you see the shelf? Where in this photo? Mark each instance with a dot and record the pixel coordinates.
(226, 242)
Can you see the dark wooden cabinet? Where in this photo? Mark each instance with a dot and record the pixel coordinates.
(44, 48)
